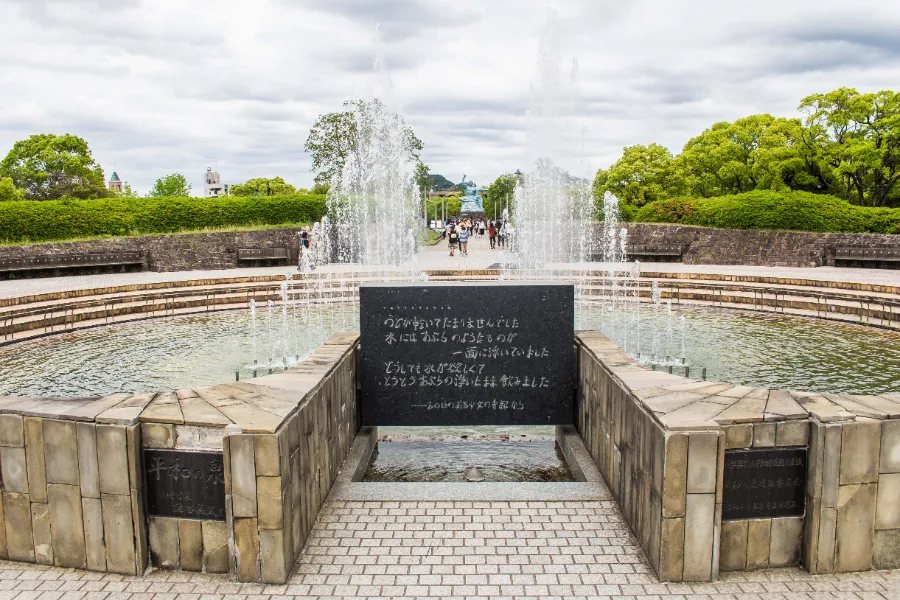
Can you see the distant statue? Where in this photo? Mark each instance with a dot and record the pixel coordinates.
(472, 201)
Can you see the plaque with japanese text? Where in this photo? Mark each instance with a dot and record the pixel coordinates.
(467, 353)
(185, 484)
(764, 483)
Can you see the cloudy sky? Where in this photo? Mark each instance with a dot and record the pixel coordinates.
(158, 86)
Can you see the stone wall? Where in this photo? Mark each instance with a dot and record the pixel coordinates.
(661, 440)
(667, 483)
(73, 488)
(60, 504)
(174, 252)
(711, 246)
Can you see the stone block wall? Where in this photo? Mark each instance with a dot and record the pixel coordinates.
(73, 481)
(276, 476)
(174, 252)
(712, 246)
(278, 482)
(853, 502)
(667, 483)
(660, 442)
(61, 505)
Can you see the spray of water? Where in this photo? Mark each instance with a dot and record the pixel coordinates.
(372, 202)
(552, 209)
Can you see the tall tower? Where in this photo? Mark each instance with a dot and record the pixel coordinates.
(115, 184)
(213, 184)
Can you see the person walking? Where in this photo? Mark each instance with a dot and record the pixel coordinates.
(464, 241)
(501, 234)
(453, 238)
(492, 234)
(305, 255)
(481, 228)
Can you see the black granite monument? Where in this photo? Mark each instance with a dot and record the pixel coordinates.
(467, 353)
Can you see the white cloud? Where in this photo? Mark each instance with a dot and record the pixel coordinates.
(158, 86)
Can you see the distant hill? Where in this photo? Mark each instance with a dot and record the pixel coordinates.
(441, 183)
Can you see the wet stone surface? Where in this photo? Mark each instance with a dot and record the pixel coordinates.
(445, 460)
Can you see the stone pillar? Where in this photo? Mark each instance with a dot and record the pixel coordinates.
(842, 488)
(258, 504)
(692, 506)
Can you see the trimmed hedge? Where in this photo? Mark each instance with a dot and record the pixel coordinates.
(55, 220)
(764, 209)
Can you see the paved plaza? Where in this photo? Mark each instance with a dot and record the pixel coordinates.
(483, 550)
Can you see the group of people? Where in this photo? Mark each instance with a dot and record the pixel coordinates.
(457, 233)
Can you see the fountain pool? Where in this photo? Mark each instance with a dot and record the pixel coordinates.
(164, 354)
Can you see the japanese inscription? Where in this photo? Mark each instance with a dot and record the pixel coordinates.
(764, 483)
(185, 484)
(467, 354)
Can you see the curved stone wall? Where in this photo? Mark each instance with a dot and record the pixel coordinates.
(660, 441)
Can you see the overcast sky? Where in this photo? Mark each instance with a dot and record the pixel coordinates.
(158, 86)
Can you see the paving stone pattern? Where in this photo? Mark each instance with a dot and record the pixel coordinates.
(480, 550)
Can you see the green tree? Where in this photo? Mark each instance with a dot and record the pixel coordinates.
(499, 195)
(423, 182)
(857, 138)
(261, 186)
(321, 188)
(127, 192)
(335, 136)
(756, 152)
(48, 166)
(8, 190)
(174, 185)
(643, 174)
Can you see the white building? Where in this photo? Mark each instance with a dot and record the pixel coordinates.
(213, 185)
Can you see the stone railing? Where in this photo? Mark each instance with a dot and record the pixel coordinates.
(661, 442)
(74, 490)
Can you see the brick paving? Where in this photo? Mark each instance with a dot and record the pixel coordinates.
(481, 550)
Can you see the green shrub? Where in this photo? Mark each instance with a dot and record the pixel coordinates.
(766, 209)
(32, 221)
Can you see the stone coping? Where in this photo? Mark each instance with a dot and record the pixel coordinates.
(680, 403)
(257, 405)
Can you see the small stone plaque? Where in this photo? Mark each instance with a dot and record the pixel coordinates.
(185, 484)
(467, 354)
(764, 483)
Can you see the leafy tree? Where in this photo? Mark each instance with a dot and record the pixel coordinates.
(321, 188)
(643, 174)
(857, 138)
(172, 186)
(500, 194)
(423, 180)
(335, 136)
(127, 192)
(756, 152)
(48, 166)
(262, 186)
(8, 190)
